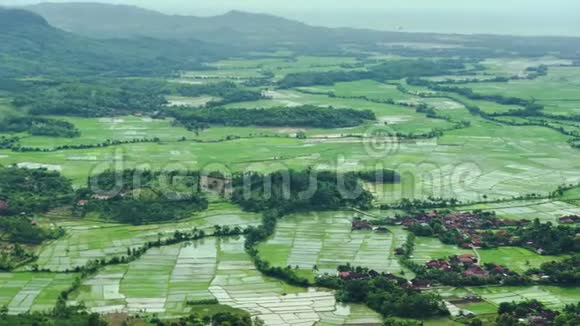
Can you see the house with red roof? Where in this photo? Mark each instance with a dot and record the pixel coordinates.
(352, 275)
(361, 225)
(569, 219)
(467, 259)
(475, 271)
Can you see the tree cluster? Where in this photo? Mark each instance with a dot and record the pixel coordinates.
(302, 116)
(39, 127)
(533, 312)
(308, 190)
(379, 176)
(20, 229)
(31, 191)
(140, 211)
(142, 196)
(386, 296)
(96, 98)
(565, 272)
(552, 240)
(387, 71)
(227, 92)
(10, 258)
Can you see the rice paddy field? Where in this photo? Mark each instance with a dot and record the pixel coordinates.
(165, 278)
(427, 248)
(479, 165)
(553, 297)
(466, 164)
(546, 210)
(98, 130)
(559, 87)
(514, 66)
(87, 240)
(325, 240)
(515, 258)
(487, 158)
(518, 259)
(23, 292)
(492, 296)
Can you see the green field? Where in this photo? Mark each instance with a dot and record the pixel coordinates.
(552, 297)
(164, 278)
(23, 292)
(432, 248)
(492, 296)
(325, 240)
(466, 164)
(546, 210)
(558, 91)
(517, 259)
(88, 240)
(485, 165)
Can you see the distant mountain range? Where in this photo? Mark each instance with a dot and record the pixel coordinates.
(113, 21)
(260, 31)
(81, 38)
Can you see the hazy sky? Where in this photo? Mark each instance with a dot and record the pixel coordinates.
(538, 17)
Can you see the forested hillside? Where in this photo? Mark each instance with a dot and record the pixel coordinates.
(29, 46)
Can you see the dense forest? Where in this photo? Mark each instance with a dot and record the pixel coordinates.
(387, 71)
(302, 116)
(95, 99)
(168, 183)
(21, 229)
(142, 211)
(142, 196)
(379, 176)
(226, 92)
(31, 191)
(52, 52)
(39, 127)
(290, 191)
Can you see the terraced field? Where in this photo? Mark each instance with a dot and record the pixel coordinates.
(23, 292)
(159, 282)
(165, 278)
(88, 240)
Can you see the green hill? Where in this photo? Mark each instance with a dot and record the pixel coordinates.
(29, 46)
(263, 32)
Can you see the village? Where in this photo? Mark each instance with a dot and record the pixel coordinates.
(468, 266)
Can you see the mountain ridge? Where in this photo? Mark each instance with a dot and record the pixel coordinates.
(30, 46)
(263, 32)
(124, 21)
